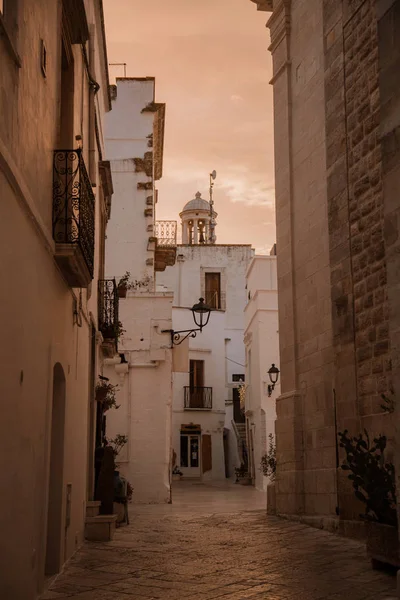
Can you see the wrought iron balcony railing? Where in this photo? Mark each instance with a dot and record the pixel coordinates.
(108, 308)
(73, 210)
(166, 233)
(198, 397)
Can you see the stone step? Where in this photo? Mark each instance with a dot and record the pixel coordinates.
(92, 508)
(100, 528)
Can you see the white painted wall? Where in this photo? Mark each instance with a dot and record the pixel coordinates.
(221, 340)
(145, 395)
(262, 346)
(127, 131)
(145, 390)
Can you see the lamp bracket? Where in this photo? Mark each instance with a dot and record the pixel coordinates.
(177, 338)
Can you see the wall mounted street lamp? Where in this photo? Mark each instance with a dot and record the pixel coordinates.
(273, 373)
(201, 315)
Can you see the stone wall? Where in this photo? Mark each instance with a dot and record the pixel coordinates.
(332, 241)
(356, 234)
(389, 84)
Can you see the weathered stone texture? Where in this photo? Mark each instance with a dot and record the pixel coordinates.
(366, 206)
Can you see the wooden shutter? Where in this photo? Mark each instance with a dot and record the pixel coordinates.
(213, 289)
(206, 453)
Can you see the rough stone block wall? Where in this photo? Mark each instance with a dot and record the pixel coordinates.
(366, 209)
(356, 224)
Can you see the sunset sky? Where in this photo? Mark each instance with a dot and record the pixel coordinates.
(212, 68)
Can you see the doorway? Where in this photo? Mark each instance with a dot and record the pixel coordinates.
(54, 542)
(190, 454)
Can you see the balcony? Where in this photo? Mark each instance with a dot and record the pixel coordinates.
(108, 315)
(165, 252)
(198, 398)
(73, 217)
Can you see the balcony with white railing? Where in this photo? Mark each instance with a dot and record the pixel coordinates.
(165, 253)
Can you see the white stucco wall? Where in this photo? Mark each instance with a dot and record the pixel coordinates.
(145, 390)
(220, 344)
(144, 395)
(127, 131)
(262, 346)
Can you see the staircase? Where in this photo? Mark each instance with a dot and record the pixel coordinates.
(98, 528)
(240, 432)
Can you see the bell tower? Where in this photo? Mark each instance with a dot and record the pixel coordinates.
(196, 218)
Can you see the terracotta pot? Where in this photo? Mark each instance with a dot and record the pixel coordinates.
(122, 291)
(108, 333)
(382, 544)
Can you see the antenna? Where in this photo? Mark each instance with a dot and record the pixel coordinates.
(213, 175)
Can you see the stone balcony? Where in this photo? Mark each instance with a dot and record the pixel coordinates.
(165, 245)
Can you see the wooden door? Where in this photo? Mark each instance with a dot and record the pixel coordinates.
(197, 384)
(206, 453)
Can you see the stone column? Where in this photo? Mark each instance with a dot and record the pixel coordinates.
(195, 231)
(289, 410)
(185, 237)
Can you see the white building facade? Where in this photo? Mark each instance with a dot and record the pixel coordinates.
(143, 369)
(205, 388)
(261, 337)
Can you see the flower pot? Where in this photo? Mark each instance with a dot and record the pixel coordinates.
(108, 333)
(382, 544)
(176, 477)
(122, 291)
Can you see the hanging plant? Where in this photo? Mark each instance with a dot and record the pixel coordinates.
(106, 395)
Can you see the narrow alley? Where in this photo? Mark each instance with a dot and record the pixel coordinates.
(215, 541)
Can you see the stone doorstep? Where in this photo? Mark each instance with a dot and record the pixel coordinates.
(92, 508)
(100, 528)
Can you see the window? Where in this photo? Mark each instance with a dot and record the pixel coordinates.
(196, 373)
(213, 290)
(238, 377)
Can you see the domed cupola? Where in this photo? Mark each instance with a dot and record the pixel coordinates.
(196, 219)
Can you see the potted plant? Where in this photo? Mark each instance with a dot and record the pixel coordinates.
(123, 285)
(268, 469)
(118, 330)
(106, 395)
(373, 481)
(118, 443)
(176, 474)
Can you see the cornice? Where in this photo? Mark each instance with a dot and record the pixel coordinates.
(279, 23)
(264, 5)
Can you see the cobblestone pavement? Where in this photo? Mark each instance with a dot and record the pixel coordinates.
(217, 542)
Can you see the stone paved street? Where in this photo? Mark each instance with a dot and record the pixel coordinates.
(217, 542)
